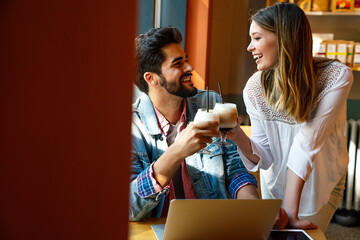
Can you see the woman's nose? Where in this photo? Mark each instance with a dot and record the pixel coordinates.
(250, 47)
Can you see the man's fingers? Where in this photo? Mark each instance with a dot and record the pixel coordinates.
(206, 139)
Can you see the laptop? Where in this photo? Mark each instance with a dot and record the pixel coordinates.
(218, 219)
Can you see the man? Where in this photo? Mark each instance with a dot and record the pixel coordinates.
(165, 159)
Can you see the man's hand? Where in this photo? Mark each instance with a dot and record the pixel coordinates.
(193, 138)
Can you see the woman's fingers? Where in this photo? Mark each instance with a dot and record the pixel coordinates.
(281, 220)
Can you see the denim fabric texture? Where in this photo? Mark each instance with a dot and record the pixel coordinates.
(218, 175)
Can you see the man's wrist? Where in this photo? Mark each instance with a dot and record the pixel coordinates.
(165, 167)
(248, 191)
(177, 153)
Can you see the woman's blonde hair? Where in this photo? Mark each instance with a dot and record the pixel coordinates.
(290, 86)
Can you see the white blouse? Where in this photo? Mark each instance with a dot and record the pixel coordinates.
(315, 150)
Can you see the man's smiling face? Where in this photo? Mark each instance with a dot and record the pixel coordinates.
(176, 74)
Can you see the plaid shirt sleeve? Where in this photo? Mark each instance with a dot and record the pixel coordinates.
(147, 184)
(240, 180)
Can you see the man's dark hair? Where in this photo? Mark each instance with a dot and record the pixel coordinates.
(149, 54)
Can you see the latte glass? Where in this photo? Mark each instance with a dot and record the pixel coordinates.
(204, 116)
(228, 119)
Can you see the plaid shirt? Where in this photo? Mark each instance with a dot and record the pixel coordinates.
(143, 181)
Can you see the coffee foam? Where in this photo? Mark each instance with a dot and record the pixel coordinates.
(228, 114)
(203, 116)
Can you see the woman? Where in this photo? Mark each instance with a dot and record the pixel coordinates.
(297, 107)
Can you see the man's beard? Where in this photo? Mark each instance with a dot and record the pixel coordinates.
(180, 91)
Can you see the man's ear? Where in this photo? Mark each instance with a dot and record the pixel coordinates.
(151, 78)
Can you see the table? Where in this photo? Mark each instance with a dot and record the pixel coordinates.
(247, 130)
(142, 230)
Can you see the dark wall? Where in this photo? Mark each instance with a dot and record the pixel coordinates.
(66, 74)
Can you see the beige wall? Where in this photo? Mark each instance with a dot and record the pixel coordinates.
(216, 41)
(230, 63)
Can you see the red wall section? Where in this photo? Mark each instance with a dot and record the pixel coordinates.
(66, 74)
(197, 39)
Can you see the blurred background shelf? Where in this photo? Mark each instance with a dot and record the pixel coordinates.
(354, 13)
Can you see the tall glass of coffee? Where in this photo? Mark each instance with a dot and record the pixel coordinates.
(228, 119)
(202, 115)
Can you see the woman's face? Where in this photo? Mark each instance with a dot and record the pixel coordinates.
(263, 47)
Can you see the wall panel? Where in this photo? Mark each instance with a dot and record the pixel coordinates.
(66, 74)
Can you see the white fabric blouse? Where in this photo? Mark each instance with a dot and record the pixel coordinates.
(315, 150)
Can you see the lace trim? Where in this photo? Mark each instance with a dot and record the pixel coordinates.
(326, 76)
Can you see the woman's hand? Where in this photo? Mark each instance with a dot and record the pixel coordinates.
(281, 220)
(236, 131)
(295, 222)
(239, 137)
(284, 221)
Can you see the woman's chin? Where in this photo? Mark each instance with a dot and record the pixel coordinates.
(260, 68)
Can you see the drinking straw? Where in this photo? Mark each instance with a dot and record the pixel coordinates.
(207, 98)
(222, 99)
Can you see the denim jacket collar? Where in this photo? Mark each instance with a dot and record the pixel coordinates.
(143, 106)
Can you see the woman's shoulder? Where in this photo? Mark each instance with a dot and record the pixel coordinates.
(329, 67)
(254, 82)
(330, 75)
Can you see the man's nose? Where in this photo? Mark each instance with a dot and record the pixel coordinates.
(188, 67)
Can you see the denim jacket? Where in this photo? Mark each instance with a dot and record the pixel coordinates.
(213, 176)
